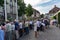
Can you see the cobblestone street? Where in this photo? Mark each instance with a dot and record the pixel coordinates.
(53, 33)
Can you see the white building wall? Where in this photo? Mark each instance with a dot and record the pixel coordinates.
(11, 9)
(8, 6)
(1, 10)
(37, 14)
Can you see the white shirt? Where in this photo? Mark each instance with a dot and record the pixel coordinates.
(31, 22)
(20, 25)
(13, 27)
(43, 24)
(26, 24)
(38, 23)
(8, 27)
(35, 26)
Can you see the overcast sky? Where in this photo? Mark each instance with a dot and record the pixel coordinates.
(43, 6)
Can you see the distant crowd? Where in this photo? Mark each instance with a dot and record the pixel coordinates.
(16, 29)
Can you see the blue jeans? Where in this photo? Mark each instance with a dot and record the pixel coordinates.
(26, 30)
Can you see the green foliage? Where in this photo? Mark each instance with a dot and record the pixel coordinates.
(2, 3)
(42, 15)
(54, 17)
(29, 10)
(22, 7)
(59, 17)
(9, 17)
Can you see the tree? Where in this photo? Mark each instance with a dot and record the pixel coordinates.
(42, 15)
(22, 7)
(59, 17)
(54, 17)
(1, 3)
(29, 10)
(2, 6)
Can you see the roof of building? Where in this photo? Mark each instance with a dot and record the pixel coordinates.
(36, 10)
(54, 10)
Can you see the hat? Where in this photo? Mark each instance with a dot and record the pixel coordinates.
(7, 20)
(16, 20)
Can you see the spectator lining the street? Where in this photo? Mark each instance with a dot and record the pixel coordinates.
(20, 28)
(13, 30)
(16, 29)
(8, 30)
(46, 22)
(30, 24)
(1, 34)
(27, 27)
(3, 26)
(35, 28)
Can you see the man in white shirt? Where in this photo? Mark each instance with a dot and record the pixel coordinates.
(38, 25)
(13, 26)
(8, 31)
(26, 27)
(20, 28)
(35, 28)
(13, 30)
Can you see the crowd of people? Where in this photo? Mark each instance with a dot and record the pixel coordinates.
(16, 29)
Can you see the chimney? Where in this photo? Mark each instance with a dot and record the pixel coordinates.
(54, 5)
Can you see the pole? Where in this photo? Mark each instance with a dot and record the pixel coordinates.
(5, 10)
(16, 11)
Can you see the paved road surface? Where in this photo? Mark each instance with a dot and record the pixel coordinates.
(53, 33)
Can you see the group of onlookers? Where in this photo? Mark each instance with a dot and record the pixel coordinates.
(41, 25)
(16, 29)
(54, 22)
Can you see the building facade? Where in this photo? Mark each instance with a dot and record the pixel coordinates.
(53, 11)
(36, 13)
(10, 10)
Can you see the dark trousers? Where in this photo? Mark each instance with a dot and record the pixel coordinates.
(38, 28)
(41, 28)
(20, 32)
(30, 26)
(26, 30)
